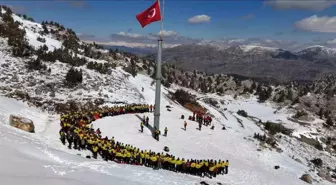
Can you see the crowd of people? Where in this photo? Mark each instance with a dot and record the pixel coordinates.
(77, 131)
(201, 118)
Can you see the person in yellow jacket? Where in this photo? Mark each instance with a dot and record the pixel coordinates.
(95, 151)
(212, 169)
(141, 126)
(219, 166)
(226, 168)
(153, 161)
(62, 136)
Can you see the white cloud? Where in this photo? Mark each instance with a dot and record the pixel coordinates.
(199, 19)
(316, 5)
(333, 41)
(167, 33)
(131, 35)
(132, 44)
(170, 39)
(317, 24)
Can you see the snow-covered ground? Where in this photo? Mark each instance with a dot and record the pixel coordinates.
(40, 158)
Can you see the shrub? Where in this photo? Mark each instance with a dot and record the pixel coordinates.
(36, 65)
(317, 162)
(275, 128)
(330, 121)
(300, 113)
(62, 55)
(73, 77)
(183, 97)
(242, 113)
(41, 39)
(99, 67)
(132, 69)
(212, 102)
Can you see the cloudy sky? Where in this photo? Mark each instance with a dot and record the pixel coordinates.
(276, 23)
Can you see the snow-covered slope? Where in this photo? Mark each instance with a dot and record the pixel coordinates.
(32, 33)
(40, 158)
(49, 86)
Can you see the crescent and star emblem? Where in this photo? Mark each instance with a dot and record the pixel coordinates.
(151, 13)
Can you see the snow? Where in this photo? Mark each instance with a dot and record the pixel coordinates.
(115, 87)
(247, 48)
(330, 51)
(43, 158)
(32, 33)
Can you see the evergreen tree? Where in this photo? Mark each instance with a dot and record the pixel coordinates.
(321, 113)
(330, 122)
(289, 95)
(254, 85)
(73, 77)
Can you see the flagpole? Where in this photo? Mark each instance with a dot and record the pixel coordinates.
(158, 75)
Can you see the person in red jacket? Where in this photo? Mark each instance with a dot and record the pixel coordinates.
(151, 108)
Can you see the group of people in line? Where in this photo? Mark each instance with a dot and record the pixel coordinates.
(78, 132)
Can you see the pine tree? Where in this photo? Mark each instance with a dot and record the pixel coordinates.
(289, 95)
(321, 113)
(330, 122)
(253, 86)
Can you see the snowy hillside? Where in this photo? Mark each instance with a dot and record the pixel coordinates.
(32, 34)
(47, 86)
(41, 158)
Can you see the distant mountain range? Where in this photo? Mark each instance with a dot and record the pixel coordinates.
(253, 61)
(135, 50)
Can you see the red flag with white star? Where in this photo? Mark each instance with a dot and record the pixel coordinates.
(152, 14)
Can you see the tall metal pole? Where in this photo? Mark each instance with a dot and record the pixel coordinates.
(158, 76)
(158, 87)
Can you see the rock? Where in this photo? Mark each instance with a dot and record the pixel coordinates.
(279, 150)
(307, 178)
(323, 173)
(276, 167)
(22, 123)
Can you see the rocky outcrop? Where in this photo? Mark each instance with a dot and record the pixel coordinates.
(307, 178)
(22, 123)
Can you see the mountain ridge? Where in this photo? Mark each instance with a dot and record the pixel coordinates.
(253, 61)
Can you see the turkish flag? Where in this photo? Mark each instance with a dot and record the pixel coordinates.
(152, 14)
